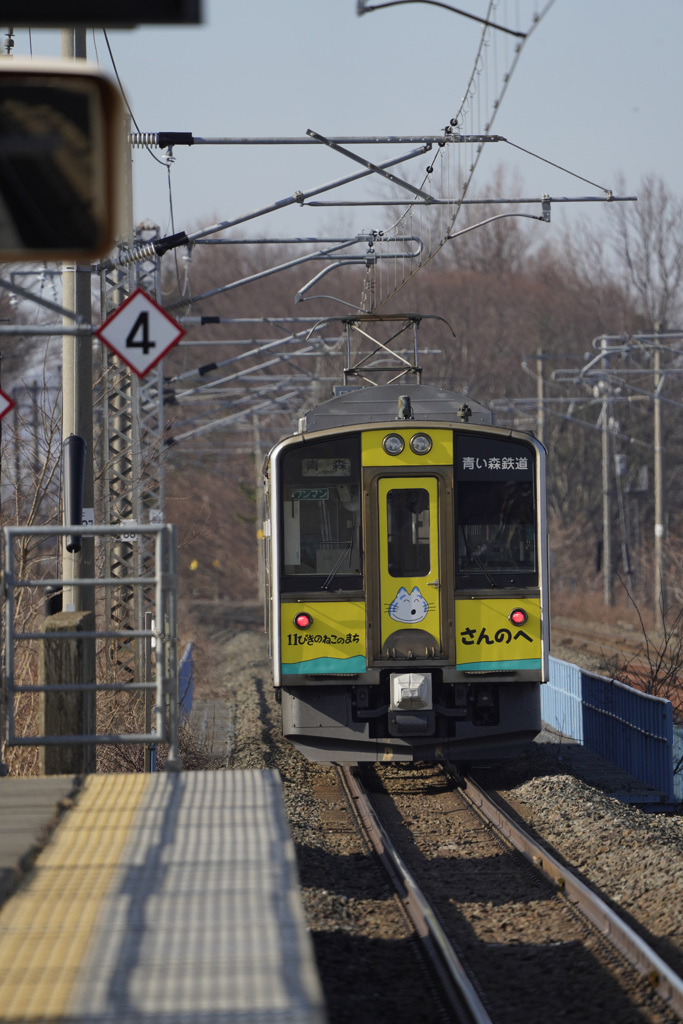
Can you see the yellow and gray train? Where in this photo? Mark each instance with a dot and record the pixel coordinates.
(407, 579)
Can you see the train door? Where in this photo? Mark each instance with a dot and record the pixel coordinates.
(410, 593)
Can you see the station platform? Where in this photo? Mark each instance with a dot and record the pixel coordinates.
(169, 897)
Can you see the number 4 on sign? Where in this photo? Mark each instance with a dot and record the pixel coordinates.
(140, 332)
(140, 327)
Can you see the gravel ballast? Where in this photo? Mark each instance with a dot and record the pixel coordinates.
(634, 858)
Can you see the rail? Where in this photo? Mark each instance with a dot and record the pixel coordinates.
(639, 954)
(161, 634)
(455, 981)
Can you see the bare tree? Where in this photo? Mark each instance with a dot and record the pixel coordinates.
(30, 497)
(656, 667)
(504, 245)
(647, 242)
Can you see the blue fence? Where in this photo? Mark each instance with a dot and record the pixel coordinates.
(632, 729)
(186, 681)
(678, 763)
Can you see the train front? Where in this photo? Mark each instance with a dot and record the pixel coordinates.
(408, 580)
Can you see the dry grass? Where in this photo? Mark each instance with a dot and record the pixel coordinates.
(25, 760)
(589, 606)
(118, 713)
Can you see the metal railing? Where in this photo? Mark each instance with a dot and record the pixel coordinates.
(634, 730)
(161, 634)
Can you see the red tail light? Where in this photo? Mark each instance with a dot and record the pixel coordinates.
(302, 620)
(518, 616)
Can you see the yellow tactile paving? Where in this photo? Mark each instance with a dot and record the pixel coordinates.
(163, 898)
(45, 927)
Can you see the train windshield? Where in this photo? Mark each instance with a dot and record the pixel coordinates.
(495, 513)
(321, 513)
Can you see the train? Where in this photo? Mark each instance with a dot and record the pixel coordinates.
(407, 579)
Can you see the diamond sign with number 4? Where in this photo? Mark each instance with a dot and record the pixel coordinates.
(6, 404)
(140, 332)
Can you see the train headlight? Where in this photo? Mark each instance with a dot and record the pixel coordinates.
(393, 444)
(411, 691)
(420, 444)
(518, 616)
(302, 620)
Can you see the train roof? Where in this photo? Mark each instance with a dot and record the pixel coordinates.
(383, 403)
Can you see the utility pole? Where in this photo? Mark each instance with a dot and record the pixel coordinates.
(660, 602)
(261, 512)
(77, 379)
(607, 567)
(77, 418)
(540, 395)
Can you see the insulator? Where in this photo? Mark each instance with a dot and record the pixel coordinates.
(144, 139)
(136, 255)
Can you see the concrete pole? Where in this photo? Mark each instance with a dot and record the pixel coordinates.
(64, 713)
(77, 418)
(260, 510)
(540, 395)
(607, 566)
(660, 597)
(77, 379)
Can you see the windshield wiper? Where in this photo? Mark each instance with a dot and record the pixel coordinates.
(348, 548)
(477, 560)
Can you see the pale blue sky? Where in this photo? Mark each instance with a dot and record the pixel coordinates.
(597, 90)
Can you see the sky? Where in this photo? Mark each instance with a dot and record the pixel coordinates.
(597, 90)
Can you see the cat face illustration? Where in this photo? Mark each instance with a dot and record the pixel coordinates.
(408, 607)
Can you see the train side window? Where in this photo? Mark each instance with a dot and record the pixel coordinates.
(408, 532)
(495, 512)
(321, 511)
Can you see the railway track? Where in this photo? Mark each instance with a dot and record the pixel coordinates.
(638, 953)
(622, 653)
(514, 936)
(604, 644)
(457, 990)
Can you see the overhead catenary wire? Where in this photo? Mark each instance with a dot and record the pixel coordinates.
(430, 199)
(160, 246)
(463, 111)
(123, 93)
(365, 8)
(558, 166)
(164, 163)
